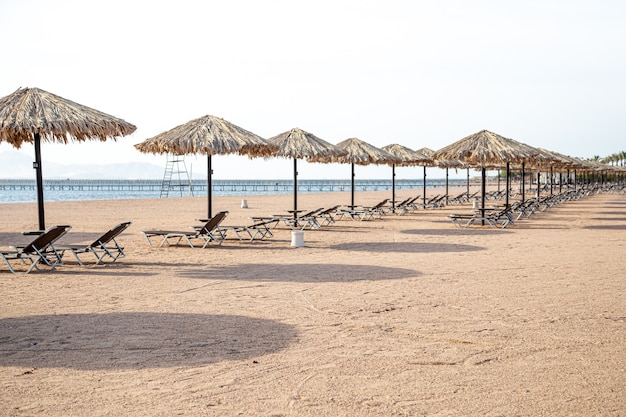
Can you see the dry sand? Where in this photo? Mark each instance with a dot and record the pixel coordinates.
(406, 315)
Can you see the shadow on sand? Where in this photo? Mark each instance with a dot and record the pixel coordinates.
(405, 247)
(607, 227)
(299, 272)
(134, 340)
(457, 231)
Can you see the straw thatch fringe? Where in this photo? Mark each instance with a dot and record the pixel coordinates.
(486, 149)
(208, 135)
(299, 144)
(557, 160)
(31, 110)
(362, 153)
(406, 156)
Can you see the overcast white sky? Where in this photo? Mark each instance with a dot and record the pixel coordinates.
(550, 73)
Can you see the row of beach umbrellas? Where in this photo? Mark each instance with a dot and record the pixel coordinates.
(32, 115)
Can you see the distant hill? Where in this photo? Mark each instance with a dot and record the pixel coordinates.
(14, 165)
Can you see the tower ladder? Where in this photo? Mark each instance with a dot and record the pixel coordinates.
(175, 176)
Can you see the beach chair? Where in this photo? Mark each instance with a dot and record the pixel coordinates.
(327, 216)
(104, 247)
(365, 212)
(298, 222)
(436, 201)
(259, 230)
(494, 218)
(303, 221)
(399, 207)
(207, 233)
(40, 250)
(410, 206)
(459, 199)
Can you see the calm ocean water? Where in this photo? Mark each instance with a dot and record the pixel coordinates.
(21, 191)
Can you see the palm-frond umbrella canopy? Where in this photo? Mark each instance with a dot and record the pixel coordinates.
(426, 153)
(299, 144)
(486, 149)
(406, 157)
(33, 115)
(207, 135)
(551, 158)
(362, 153)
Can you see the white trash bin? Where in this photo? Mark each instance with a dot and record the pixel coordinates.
(297, 239)
(244, 203)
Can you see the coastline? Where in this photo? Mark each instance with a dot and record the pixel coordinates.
(23, 191)
(405, 315)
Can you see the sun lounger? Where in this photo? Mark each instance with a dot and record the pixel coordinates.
(40, 250)
(459, 199)
(298, 222)
(259, 230)
(104, 247)
(494, 218)
(303, 221)
(365, 212)
(327, 216)
(207, 233)
(408, 206)
(400, 207)
(436, 201)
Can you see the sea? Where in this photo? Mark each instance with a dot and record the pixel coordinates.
(25, 191)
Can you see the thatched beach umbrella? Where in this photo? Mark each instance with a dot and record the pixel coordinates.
(406, 157)
(33, 115)
(558, 161)
(207, 135)
(427, 155)
(299, 144)
(362, 153)
(486, 149)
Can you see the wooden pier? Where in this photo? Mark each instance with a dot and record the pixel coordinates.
(231, 186)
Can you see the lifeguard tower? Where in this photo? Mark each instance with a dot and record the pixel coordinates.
(176, 176)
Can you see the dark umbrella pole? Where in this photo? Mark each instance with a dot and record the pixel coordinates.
(498, 180)
(393, 188)
(295, 191)
(523, 183)
(447, 194)
(39, 176)
(483, 187)
(507, 184)
(352, 189)
(210, 186)
(424, 187)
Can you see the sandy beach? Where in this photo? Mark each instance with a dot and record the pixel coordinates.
(399, 316)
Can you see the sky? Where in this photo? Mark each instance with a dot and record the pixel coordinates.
(549, 73)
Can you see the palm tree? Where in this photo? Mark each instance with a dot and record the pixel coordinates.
(622, 157)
